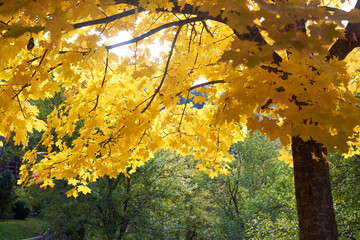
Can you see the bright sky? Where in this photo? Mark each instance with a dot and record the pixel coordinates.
(123, 36)
(348, 5)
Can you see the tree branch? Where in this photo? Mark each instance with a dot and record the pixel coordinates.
(203, 85)
(155, 30)
(206, 84)
(182, 115)
(342, 47)
(22, 110)
(166, 69)
(102, 84)
(27, 84)
(108, 19)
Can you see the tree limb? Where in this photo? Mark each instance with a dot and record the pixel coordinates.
(343, 46)
(155, 30)
(206, 84)
(182, 115)
(102, 84)
(166, 69)
(108, 19)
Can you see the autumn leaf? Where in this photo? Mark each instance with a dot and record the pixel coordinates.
(83, 189)
(72, 193)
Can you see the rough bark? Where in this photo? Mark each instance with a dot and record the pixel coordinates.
(313, 191)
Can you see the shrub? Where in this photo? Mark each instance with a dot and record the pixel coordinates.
(21, 209)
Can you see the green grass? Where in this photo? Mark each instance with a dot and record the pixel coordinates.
(13, 229)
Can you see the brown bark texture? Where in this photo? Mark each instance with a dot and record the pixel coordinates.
(313, 191)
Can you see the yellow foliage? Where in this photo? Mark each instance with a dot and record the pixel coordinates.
(128, 104)
(286, 157)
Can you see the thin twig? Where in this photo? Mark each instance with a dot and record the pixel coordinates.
(191, 34)
(224, 38)
(207, 29)
(206, 84)
(22, 88)
(41, 60)
(142, 137)
(22, 110)
(141, 103)
(102, 84)
(203, 85)
(182, 115)
(27, 84)
(166, 69)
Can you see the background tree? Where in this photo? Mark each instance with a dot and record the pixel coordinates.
(268, 64)
(161, 200)
(257, 197)
(345, 182)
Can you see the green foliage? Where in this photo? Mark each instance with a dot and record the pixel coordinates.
(171, 201)
(257, 195)
(64, 216)
(7, 183)
(263, 227)
(345, 182)
(160, 200)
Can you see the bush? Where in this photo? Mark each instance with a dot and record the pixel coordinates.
(21, 209)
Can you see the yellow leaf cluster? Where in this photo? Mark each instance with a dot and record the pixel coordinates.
(125, 108)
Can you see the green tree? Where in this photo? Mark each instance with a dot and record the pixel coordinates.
(161, 200)
(345, 182)
(257, 197)
(64, 217)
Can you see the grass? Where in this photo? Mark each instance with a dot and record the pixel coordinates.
(13, 229)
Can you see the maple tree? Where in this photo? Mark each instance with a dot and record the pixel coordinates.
(273, 66)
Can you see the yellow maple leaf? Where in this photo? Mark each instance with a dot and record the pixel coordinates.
(286, 157)
(83, 189)
(72, 193)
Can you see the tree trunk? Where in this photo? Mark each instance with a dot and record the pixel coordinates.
(313, 191)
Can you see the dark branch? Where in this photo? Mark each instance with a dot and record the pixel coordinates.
(203, 85)
(22, 88)
(267, 104)
(22, 110)
(206, 84)
(166, 69)
(108, 19)
(342, 47)
(182, 115)
(102, 84)
(27, 84)
(155, 30)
